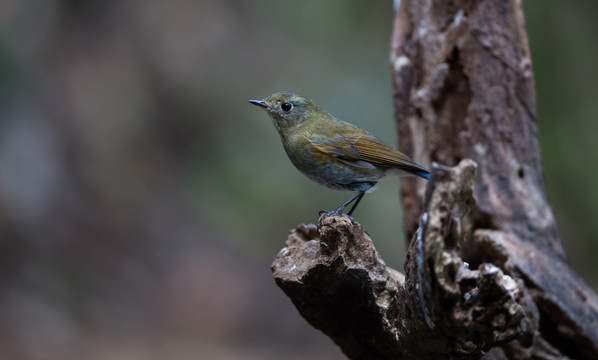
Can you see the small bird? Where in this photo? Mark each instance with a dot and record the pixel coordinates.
(332, 152)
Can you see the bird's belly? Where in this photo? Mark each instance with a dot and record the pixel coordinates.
(335, 174)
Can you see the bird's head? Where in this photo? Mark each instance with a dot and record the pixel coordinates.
(289, 109)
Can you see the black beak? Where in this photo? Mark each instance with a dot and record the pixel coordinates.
(261, 103)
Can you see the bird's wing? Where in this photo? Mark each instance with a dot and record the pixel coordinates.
(341, 148)
(367, 149)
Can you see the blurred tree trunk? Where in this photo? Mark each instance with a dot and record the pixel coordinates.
(486, 275)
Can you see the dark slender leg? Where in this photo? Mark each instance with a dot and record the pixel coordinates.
(357, 196)
(364, 186)
(358, 199)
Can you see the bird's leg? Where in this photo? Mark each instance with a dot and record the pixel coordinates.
(357, 197)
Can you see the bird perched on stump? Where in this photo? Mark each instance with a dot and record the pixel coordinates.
(332, 152)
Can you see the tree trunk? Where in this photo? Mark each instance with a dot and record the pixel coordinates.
(486, 275)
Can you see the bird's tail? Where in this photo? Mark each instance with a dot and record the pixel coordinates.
(422, 174)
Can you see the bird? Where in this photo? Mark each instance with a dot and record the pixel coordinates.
(332, 152)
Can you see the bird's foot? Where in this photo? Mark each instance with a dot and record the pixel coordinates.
(324, 214)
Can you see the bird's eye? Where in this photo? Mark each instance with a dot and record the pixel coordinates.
(286, 107)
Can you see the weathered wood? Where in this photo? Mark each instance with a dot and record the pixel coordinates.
(464, 89)
(441, 307)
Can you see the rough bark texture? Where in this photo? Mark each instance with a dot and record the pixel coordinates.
(486, 275)
(440, 309)
(464, 89)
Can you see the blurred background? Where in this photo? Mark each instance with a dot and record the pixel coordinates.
(143, 199)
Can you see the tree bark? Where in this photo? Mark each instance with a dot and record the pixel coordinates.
(486, 275)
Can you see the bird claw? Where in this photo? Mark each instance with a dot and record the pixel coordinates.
(324, 214)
